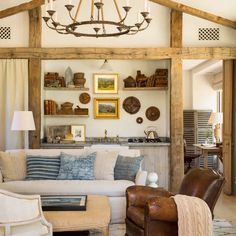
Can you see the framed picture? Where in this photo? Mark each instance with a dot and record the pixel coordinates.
(105, 83)
(64, 203)
(78, 132)
(106, 108)
(57, 131)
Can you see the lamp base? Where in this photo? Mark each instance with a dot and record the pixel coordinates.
(217, 133)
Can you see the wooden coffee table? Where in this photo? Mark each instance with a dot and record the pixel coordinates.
(96, 217)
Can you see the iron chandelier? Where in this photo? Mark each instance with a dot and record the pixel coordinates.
(97, 25)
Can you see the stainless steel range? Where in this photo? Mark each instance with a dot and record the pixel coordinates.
(144, 140)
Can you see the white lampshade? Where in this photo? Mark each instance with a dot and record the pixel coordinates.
(216, 118)
(23, 120)
(106, 66)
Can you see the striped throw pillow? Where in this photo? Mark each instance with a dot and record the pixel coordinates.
(42, 167)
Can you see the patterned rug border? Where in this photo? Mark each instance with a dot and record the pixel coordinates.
(221, 227)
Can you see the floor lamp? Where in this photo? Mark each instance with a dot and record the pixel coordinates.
(23, 121)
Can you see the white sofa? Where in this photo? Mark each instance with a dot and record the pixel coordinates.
(114, 189)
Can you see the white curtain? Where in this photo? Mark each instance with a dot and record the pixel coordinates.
(13, 96)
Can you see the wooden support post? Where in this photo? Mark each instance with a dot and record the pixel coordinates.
(35, 100)
(35, 76)
(176, 24)
(227, 123)
(176, 126)
(176, 107)
(35, 28)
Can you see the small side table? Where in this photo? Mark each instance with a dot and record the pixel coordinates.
(153, 178)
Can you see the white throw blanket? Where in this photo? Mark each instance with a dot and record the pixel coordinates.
(194, 216)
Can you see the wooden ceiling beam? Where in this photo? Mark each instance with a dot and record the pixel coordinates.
(20, 8)
(196, 12)
(120, 53)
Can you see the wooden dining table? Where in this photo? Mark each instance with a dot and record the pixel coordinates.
(209, 149)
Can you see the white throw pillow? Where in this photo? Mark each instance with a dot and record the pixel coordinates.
(104, 164)
(13, 165)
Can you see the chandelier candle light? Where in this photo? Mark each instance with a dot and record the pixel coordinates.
(97, 25)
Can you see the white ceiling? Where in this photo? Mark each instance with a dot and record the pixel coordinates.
(190, 64)
(203, 66)
(223, 8)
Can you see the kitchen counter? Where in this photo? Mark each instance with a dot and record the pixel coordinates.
(123, 142)
(85, 144)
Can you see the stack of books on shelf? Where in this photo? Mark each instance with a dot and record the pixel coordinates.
(50, 107)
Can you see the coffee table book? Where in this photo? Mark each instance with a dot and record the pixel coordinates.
(64, 203)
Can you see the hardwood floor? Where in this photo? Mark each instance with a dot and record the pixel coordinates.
(226, 209)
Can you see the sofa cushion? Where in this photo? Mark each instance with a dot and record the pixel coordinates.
(42, 167)
(13, 165)
(54, 152)
(109, 188)
(127, 167)
(77, 167)
(105, 164)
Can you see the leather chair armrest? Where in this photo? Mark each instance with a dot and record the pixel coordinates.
(161, 208)
(138, 195)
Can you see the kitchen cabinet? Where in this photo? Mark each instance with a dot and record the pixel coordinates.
(156, 159)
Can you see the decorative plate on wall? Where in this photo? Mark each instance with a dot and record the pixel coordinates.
(131, 105)
(152, 113)
(84, 98)
(139, 120)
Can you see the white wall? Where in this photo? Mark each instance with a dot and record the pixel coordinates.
(126, 126)
(187, 90)
(19, 24)
(190, 33)
(224, 8)
(217, 81)
(204, 96)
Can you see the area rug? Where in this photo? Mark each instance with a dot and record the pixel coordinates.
(221, 227)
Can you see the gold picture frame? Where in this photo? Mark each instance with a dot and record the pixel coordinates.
(106, 108)
(105, 83)
(78, 132)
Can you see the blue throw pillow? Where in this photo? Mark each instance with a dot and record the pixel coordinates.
(77, 167)
(42, 167)
(127, 167)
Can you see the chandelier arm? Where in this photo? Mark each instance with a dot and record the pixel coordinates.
(133, 31)
(77, 34)
(53, 21)
(144, 27)
(77, 10)
(70, 30)
(117, 9)
(122, 20)
(103, 26)
(92, 9)
(71, 17)
(58, 30)
(61, 31)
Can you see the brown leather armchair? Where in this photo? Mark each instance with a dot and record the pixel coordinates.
(151, 211)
